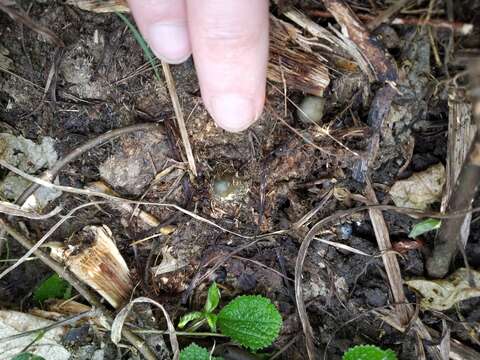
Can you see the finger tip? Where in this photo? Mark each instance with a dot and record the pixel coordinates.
(233, 112)
(170, 42)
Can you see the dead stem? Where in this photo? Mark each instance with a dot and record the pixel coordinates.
(179, 116)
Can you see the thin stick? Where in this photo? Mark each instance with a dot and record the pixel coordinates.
(179, 116)
(67, 321)
(80, 287)
(389, 259)
(459, 27)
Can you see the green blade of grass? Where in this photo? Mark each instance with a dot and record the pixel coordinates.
(141, 41)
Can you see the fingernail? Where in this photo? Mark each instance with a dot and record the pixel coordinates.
(170, 41)
(233, 112)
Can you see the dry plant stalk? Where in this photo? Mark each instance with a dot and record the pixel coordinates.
(97, 262)
(297, 66)
(101, 6)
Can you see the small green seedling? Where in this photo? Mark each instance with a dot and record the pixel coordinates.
(213, 299)
(53, 287)
(368, 352)
(27, 356)
(195, 352)
(424, 226)
(250, 320)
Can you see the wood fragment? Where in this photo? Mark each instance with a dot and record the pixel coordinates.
(301, 69)
(95, 260)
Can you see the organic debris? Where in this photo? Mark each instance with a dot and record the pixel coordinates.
(442, 294)
(420, 190)
(47, 346)
(94, 258)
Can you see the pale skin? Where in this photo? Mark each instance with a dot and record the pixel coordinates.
(229, 43)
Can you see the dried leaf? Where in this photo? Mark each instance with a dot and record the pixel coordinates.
(421, 189)
(443, 294)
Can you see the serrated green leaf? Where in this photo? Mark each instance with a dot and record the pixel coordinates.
(369, 352)
(212, 321)
(27, 356)
(185, 319)
(53, 288)
(213, 298)
(195, 352)
(424, 226)
(251, 320)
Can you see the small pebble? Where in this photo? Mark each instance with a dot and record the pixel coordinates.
(311, 109)
(344, 231)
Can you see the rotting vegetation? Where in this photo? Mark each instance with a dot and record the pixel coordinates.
(113, 176)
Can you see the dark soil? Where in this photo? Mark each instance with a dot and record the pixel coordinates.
(101, 83)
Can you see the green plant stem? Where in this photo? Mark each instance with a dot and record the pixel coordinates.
(180, 333)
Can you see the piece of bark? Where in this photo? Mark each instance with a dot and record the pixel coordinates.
(95, 260)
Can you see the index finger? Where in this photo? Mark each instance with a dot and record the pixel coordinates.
(229, 41)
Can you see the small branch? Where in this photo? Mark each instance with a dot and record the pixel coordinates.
(458, 27)
(179, 116)
(80, 287)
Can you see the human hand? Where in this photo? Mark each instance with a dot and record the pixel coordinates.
(229, 42)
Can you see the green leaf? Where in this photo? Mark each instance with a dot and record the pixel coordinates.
(141, 42)
(212, 321)
(185, 319)
(53, 288)
(424, 226)
(195, 352)
(368, 352)
(27, 356)
(251, 320)
(213, 298)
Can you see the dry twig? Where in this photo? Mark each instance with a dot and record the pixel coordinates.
(179, 116)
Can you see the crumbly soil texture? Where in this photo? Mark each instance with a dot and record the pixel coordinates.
(268, 183)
